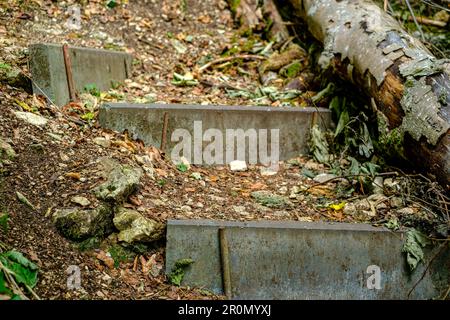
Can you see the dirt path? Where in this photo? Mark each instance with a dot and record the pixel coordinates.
(63, 159)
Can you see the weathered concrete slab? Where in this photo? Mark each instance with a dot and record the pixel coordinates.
(146, 122)
(301, 260)
(100, 67)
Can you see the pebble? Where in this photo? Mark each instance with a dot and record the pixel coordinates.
(238, 165)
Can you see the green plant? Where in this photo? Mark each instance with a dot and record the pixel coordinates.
(16, 271)
(182, 167)
(120, 254)
(92, 89)
(178, 271)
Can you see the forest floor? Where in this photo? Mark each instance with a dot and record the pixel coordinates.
(64, 158)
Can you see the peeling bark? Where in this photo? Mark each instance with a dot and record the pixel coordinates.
(410, 87)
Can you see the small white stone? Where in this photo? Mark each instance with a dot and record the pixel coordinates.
(82, 201)
(238, 165)
(103, 142)
(324, 177)
(31, 118)
(268, 171)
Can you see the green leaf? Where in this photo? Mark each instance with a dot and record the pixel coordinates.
(415, 241)
(92, 89)
(343, 120)
(5, 66)
(23, 270)
(182, 167)
(88, 116)
(392, 224)
(111, 4)
(178, 271)
(3, 288)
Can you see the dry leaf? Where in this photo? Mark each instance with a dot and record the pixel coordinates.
(74, 175)
(107, 260)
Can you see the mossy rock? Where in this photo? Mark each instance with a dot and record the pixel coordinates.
(121, 182)
(14, 77)
(78, 224)
(270, 200)
(278, 60)
(134, 227)
(6, 151)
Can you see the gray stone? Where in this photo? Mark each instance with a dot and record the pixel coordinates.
(146, 122)
(31, 118)
(238, 165)
(377, 185)
(134, 227)
(79, 224)
(82, 201)
(122, 181)
(324, 177)
(89, 66)
(103, 142)
(6, 151)
(301, 260)
(14, 77)
(270, 200)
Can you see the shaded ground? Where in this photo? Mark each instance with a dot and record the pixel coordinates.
(62, 160)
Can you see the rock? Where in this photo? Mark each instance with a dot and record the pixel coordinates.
(186, 208)
(377, 185)
(6, 151)
(216, 198)
(283, 190)
(80, 224)
(391, 186)
(196, 175)
(103, 142)
(268, 171)
(268, 77)
(122, 181)
(14, 77)
(240, 210)
(396, 202)
(324, 177)
(238, 165)
(278, 60)
(82, 201)
(134, 227)
(270, 200)
(312, 165)
(31, 118)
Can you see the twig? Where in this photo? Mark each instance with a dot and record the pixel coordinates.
(430, 22)
(446, 293)
(221, 60)
(426, 269)
(219, 85)
(14, 286)
(385, 7)
(415, 20)
(353, 175)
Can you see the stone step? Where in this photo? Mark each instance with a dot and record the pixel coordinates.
(88, 66)
(195, 130)
(302, 260)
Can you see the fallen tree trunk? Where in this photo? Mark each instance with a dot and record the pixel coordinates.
(409, 87)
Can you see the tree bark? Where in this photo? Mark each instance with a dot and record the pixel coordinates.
(410, 88)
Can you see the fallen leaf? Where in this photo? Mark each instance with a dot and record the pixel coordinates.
(107, 260)
(74, 175)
